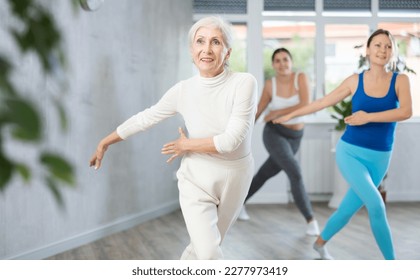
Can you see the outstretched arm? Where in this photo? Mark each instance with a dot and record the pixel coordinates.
(165, 108)
(103, 145)
(346, 88)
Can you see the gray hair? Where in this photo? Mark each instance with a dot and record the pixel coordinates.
(216, 22)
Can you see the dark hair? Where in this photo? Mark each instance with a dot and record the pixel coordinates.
(281, 50)
(392, 62)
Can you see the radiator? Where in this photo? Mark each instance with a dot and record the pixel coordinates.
(317, 163)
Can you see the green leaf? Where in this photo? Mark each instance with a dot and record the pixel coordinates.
(61, 114)
(6, 171)
(24, 171)
(338, 110)
(25, 118)
(6, 88)
(52, 185)
(5, 67)
(21, 7)
(59, 168)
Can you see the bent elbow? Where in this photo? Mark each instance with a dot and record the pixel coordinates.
(226, 144)
(227, 148)
(408, 114)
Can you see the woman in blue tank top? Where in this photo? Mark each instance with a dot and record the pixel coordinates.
(380, 98)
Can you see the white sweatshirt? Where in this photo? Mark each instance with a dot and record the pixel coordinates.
(222, 107)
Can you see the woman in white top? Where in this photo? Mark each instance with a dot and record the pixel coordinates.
(284, 93)
(218, 107)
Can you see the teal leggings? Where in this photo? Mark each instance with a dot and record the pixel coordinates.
(364, 170)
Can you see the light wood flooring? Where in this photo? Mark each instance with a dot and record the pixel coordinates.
(274, 232)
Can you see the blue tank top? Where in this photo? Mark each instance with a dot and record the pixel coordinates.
(375, 135)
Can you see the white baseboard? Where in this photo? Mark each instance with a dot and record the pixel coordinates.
(284, 198)
(403, 196)
(95, 234)
(267, 198)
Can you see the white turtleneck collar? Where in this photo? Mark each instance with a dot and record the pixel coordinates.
(216, 80)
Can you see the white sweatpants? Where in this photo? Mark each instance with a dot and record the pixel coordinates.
(211, 194)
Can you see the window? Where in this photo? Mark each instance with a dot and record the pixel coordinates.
(405, 5)
(407, 37)
(237, 60)
(345, 5)
(346, 39)
(220, 6)
(289, 5)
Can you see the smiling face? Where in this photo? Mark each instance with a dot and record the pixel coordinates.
(209, 52)
(282, 63)
(379, 50)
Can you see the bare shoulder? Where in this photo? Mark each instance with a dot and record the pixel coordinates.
(402, 79)
(402, 85)
(301, 75)
(268, 85)
(350, 83)
(354, 78)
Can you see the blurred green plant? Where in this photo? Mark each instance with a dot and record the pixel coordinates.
(20, 119)
(340, 111)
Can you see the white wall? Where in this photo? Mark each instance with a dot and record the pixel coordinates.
(122, 58)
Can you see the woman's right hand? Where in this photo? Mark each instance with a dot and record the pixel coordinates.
(97, 157)
(282, 119)
(103, 145)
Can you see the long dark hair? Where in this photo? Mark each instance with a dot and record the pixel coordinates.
(281, 50)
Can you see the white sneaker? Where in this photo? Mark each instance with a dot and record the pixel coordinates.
(323, 252)
(312, 228)
(243, 215)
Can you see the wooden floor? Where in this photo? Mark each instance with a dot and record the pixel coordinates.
(274, 232)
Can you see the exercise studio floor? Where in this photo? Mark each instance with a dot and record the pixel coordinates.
(274, 232)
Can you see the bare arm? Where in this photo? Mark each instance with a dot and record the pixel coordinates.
(103, 145)
(404, 112)
(265, 99)
(346, 88)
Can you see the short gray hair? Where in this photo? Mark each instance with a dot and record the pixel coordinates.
(216, 22)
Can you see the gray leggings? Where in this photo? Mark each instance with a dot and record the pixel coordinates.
(282, 144)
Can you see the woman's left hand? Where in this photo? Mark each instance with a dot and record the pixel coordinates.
(358, 118)
(175, 148)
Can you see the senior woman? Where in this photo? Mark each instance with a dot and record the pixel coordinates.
(218, 107)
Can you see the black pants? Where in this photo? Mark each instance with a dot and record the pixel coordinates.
(282, 144)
